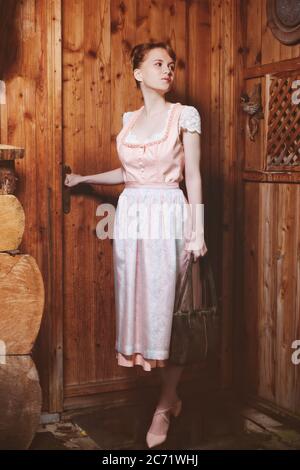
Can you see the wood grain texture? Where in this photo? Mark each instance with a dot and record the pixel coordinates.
(22, 302)
(249, 330)
(213, 201)
(32, 119)
(9, 33)
(271, 292)
(225, 92)
(263, 47)
(239, 272)
(20, 402)
(12, 222)
(267, 292)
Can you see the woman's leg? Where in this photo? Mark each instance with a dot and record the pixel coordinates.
(170, 378)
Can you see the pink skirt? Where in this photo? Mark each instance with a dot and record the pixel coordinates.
(149, 258)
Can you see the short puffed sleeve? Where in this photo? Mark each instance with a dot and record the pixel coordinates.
(126, 117)
(190, 119)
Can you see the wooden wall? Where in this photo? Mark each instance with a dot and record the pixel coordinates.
(262, 46)
(269, 297)
(9, 33)
(32, 118)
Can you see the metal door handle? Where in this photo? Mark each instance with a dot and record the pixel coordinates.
(66, 191)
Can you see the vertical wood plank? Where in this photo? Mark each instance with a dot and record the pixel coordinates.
(239, 269)
(270, 47)
(267, 292)
(142, 20)
(285, 290)
(253, 26)
(53, 31)
(213, 206)
(227, 154)
(176, 24)
(251, 288)
(296, 333)
(75, 313)
(198, 62)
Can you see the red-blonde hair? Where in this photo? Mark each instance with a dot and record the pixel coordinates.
(139, 52)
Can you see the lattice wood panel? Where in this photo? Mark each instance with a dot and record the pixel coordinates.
(283, 134)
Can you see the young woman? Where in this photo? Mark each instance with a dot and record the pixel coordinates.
(156, 143)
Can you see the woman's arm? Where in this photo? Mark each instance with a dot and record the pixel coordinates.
(192, 151)
(108, 177)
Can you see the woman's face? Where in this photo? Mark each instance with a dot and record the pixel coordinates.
(157, 70)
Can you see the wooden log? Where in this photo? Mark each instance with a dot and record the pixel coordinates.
(12, 222)
(20, 402)
(10, 152)
(22, 302)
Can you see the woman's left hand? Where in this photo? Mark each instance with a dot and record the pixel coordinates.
(197, 253)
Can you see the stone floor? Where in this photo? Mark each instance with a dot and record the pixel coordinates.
(125, 428)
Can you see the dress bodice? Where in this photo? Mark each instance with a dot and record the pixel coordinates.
(189, 120)
(161, 157)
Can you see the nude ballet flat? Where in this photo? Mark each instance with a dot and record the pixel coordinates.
(156, 439)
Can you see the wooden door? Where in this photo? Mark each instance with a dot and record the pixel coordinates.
(270, 190)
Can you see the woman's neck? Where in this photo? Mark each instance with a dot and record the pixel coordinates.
(154, 105)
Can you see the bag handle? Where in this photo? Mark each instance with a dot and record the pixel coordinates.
(188, 274)
(209, 274)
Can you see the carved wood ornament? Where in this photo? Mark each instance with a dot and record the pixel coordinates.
(8, 155)
(252, 106)
(284, 20)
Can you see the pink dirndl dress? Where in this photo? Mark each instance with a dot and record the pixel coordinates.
(147, 268)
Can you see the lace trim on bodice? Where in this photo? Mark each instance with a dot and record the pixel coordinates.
(189, 120)
(163, 135)
(132, 137)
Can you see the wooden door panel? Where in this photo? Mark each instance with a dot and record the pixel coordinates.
(89, 323)
(271, 290)
(271, 244)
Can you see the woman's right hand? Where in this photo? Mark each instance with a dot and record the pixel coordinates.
(72, 179)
